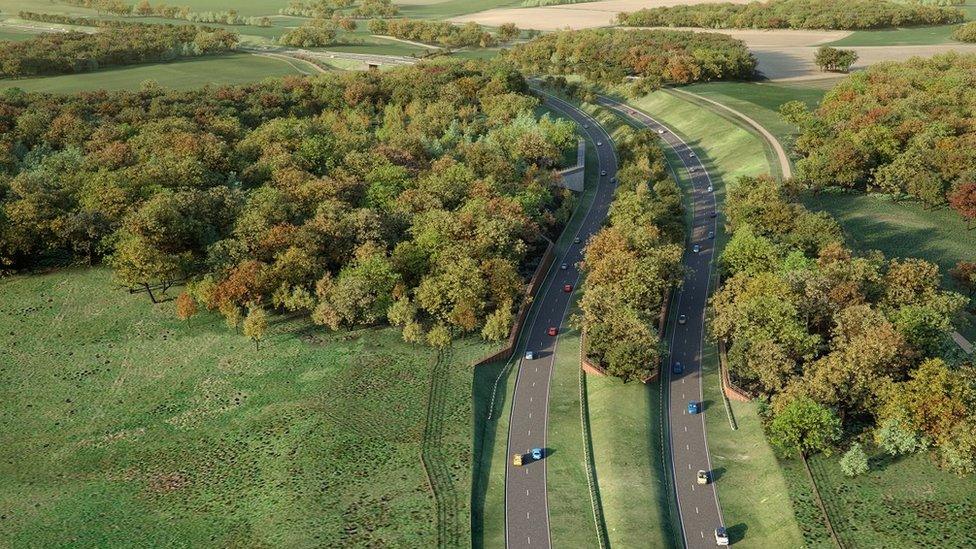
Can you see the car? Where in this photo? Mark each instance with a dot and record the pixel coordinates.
(603, 172)
(696, 248)
(682, 319)
(567, 288)
(711, 234)
(599, 143)
(563, 266)
(692, 169)
(613, 180)
(702, 477)
(694, 407)
(713, 214)
(677, 368)
(529, 355)
(517, 460)
(577, 240)
(691, 154)
(536, 453)
(721, 536)
(709, 189)
(660, 130)
(552, 330)
(587, 126)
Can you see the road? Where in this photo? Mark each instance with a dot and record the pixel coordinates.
(526, 502)
(698, 505)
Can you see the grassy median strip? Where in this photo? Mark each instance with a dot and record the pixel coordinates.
(753, 490)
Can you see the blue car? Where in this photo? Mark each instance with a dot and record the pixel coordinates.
(694, 407)
(677, 368)
(536, 453)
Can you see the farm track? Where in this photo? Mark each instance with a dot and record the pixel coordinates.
(446, 498)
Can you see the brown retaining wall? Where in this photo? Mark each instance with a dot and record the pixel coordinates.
(537, 279)
(730, 390)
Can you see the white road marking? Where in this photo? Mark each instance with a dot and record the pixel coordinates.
(702, 534)
(696, 512)
(530, 415)
(687, 448)
(686, 428)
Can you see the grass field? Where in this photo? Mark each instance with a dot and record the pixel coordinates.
(752, 487)
(451, 8)
(194, 73)
(908, 36)
(251, 7)
(903, 229)
(570, 515)
(900, 502)
(125, 426)
(15, 34)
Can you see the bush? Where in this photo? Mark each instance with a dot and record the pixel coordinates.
(854, 462)
(966, 33)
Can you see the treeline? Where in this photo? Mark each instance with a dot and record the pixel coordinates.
(126, 44)
(654, 56)
(632, 262)
(327, 8)
(145, 9)
(836, 342)
(443, 33)
(313, 34)
(903, 128)
(794, 14)
(417, 196)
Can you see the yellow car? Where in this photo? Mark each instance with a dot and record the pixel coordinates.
(517, 460)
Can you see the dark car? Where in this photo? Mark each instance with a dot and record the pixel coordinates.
(567, 288)
(677, 368)
(553, 330)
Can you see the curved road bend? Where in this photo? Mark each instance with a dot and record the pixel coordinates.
(526, 503)
(698, 506)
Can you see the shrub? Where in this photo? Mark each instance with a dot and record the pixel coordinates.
(854, 462)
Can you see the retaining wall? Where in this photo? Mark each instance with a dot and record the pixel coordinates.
(730, 390)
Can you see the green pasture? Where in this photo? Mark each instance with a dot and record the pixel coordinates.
(189, 74)
(124, 426)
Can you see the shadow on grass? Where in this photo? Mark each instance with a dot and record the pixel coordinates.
(660, 469)
(737, 532)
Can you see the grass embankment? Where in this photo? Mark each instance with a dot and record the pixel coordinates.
(427, 9)
(570, 514)
(903, 229)
(182, 75)
(125, 426)
(900, 502)
(752, 485)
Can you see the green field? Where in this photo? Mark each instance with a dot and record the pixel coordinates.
(195, 73)
(752, 486)
(907, 36)
(903, 229)
(900, 502)
(451, 8)
(124, 426)
(16, 34)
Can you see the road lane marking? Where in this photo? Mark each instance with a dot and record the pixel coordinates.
(530, 416)
(696, 512)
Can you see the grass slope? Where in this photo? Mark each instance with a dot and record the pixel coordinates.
(190, 74)
(752, 486)
(125, 426)
(452, 8)
(903, 229)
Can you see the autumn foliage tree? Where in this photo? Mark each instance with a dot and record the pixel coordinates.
(963, 200)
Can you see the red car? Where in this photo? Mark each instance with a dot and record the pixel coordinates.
(553, 331)
(568, 288)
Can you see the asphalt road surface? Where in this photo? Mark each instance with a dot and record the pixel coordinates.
(526, 504)
(698, 504)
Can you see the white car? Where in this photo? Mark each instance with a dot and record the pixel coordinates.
(711, 235)
(709, 189)
(721, 536)
(692, 169)
(660, 130)
(696, 248)
(691, 154)
(587, 126)
(603, 172)
(599, 143)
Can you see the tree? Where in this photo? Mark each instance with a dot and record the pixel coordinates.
(964, 274)
(803, 427)
(186, 306)
(833, 59)
(508, 32)
(963, 200)
(855, 461)
(499, 323)
(232, 314)
(255, 325)
(439, 337)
